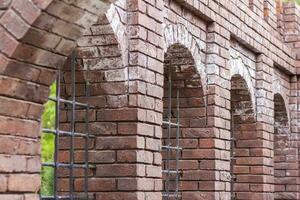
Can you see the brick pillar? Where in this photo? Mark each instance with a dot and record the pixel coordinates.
(264, 188)
(126, 92)
(218, 113)
(291, 28)
(22, 94)
(291, 18)
(295, 120)
(145, 81)
(285, 153)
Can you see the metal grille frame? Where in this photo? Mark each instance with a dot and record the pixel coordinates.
(72, 134)
(168, 171)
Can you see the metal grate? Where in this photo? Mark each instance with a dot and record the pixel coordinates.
(171, 193)
(71, 166)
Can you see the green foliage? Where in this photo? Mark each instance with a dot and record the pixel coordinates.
(297, 1)
(47, 142)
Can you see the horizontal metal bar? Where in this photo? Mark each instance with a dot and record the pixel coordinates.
(171, 123)
(51, 164)
(171, 147)
(170, 171)
(64, 198)
(69, 133)
(171, 194)
(69, 102)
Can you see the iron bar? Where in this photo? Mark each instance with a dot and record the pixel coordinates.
(177, 150)
(164, 147)
(171, 194)
(83, 105)
(64, 198)
(169, 133)
(71, 176)
(67, 133)
(169, 125)
(232, 160)
(57, 131)
(87, 132)
(170, 171)
(71, 134)
(49, 164)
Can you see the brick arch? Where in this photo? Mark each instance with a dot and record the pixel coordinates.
(238, 67)
(103, 46)
(179, 33)
(279, 91)
(180, 64)
(36, 39)
(117, 20)
(46, 34)
(66, 20)
(285, 153)
(243, 134)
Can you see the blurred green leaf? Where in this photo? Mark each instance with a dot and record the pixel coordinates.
(297, 1)
(48, 144)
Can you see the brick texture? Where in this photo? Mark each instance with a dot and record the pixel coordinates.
(235, 63)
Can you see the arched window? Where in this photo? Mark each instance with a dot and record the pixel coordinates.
(285, 177)
(60, 168)
(243, 139)
(91, 83)
(184, 117)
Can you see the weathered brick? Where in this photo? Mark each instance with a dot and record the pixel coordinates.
(23, 183)
(202, 62)
(14, 24)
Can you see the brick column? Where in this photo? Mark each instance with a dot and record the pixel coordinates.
(218, 113)
(264, 187)
(145, 81)
(295, 130)
(127, 95)
(291, 28)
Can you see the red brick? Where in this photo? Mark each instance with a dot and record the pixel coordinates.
(120, 170)
(9, 44)
(14, 24)
(96, 184)
(23, 183)
(120, 142)
(27, 9)
(15, 126)
(3, 183)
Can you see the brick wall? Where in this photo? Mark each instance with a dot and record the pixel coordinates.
(124, 45)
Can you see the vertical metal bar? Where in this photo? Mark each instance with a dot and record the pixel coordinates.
(71, 178)
(232, 146)
(56, 142)
(87, 134)
(56, 132)
(177, 150)
(169, 132)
